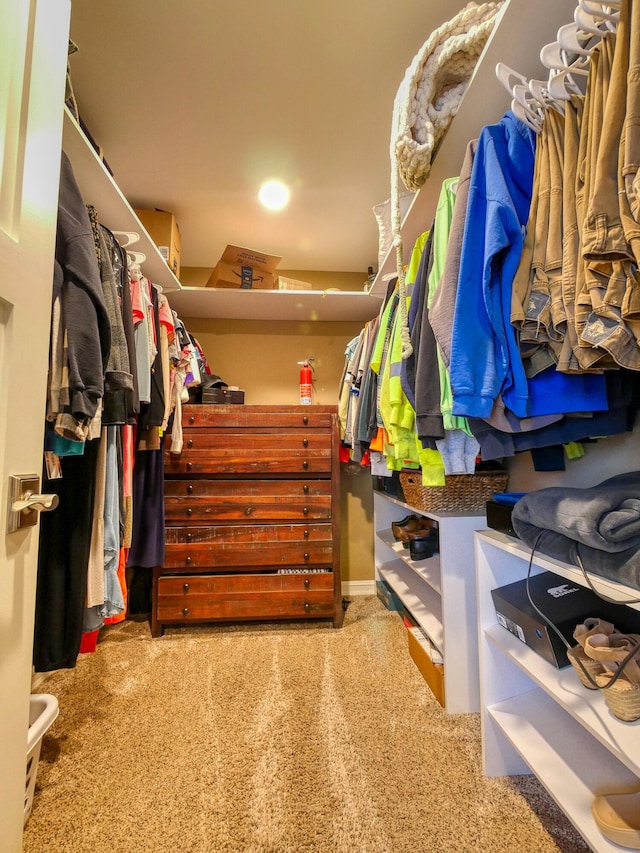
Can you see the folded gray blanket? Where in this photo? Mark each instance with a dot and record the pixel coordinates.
(600, 525)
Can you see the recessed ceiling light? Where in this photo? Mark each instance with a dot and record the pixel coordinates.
(274, 195)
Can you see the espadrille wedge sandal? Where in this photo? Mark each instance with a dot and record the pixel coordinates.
(620, 656)
(586, 668)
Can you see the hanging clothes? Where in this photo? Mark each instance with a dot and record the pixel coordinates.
(485, 359)
(81, 324)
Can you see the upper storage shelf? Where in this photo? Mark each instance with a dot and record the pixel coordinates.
(99, 189)
(296, 305)
(521, 29)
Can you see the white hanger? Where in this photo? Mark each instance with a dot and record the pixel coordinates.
(534, 108)
(529, 117)
(530, 98)
(540, 91)
(136, 257)
(607, 10)
(561, 85)
(126, 238)
(593, 24)
(508, 77)
(555, 58)
(573, 41)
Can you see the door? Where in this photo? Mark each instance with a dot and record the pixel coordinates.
(33, 49)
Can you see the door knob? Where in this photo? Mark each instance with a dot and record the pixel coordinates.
(25, 502)
(30, 502)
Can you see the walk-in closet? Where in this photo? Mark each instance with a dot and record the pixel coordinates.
(319, 387)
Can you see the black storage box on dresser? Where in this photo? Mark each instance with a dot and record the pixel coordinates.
(252, 517)
(223, 395)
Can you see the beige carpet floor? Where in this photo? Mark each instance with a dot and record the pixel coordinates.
(272, 739)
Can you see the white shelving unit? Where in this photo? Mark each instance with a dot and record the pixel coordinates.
(439, 592)
(100, 189)
(540, 719)
(114, 211)
(296, 305)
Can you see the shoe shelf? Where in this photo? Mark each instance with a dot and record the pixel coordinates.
(420, 599)
(439, 592)
(428, 569)
(540, 719)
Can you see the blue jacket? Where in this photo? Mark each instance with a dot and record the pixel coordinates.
(485, 359)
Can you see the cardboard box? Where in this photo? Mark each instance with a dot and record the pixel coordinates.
(284, 283)
(433, 673)
(244, 268)
(564, 603)
(165, 233)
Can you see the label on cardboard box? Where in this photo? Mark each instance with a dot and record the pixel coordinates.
(244, 268)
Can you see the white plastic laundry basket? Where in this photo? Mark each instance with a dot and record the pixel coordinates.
(43, 710)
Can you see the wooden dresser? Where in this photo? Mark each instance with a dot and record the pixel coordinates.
(252, 517)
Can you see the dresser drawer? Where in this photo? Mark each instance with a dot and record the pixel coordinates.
(214, 501)
(207, 452)
(259, 596)
(243, 545)
(258, 418)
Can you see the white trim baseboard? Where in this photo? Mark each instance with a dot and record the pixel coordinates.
(359, 587)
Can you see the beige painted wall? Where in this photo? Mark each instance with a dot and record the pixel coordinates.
(261, 358)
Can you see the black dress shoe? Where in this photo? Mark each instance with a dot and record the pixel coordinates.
(422, 547)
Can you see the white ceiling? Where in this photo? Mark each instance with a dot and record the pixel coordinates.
(196, 103)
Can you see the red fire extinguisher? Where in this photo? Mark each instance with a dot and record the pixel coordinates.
(306, 381)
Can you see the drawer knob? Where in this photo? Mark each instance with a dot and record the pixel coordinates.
(305, 442)
(248, 510)
(189, 489)
(305, 420)
(306, 557)
(188, 561)
(190, 443)
(189, 511)
(307, 607)
(185, 587)
(306, 583)
(306, 534)
(305, 465)
(305, 510)
(189, 537)
(305, 488)
(185, 611)
(192, 420)
(189, 466)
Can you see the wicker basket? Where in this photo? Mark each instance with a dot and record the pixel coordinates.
(461, 492)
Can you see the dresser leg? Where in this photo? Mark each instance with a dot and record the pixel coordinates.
(157, 628)
(338, 614)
